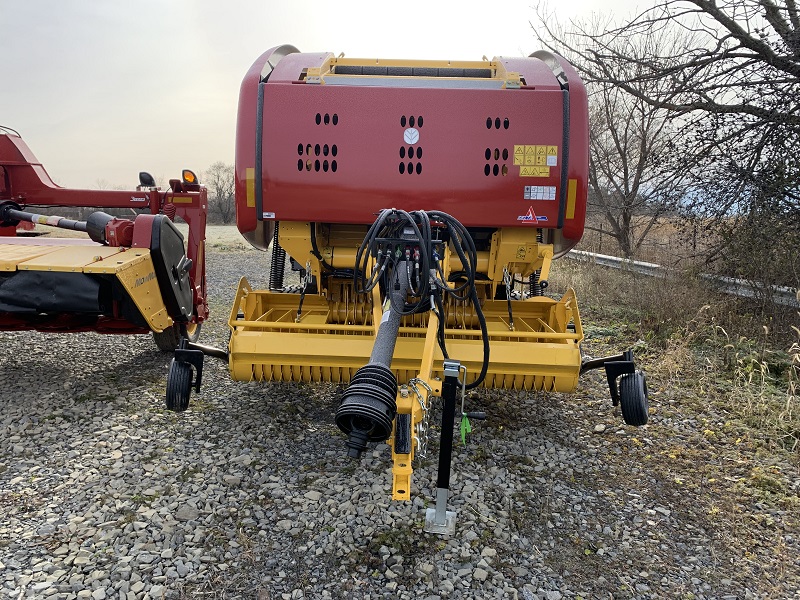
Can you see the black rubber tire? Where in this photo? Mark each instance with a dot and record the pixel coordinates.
(633, 398)
(169, 339)
(179, 386)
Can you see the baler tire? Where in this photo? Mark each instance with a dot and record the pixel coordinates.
(633, 398)
(169, 339)
(179, 386)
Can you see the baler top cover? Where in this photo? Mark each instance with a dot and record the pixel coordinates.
(495, 143)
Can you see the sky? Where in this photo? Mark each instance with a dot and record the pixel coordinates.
(103, 89)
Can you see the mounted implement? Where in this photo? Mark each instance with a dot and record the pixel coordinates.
(422, 203)
(128, 275)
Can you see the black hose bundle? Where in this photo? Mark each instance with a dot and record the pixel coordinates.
(428, 284)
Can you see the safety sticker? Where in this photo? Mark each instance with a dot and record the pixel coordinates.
(534, 171)
(535, 160)
(387, 310)
(540, 192)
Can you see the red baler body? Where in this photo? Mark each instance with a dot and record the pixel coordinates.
(338, 153)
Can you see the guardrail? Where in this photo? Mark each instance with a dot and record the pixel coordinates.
(737, 287)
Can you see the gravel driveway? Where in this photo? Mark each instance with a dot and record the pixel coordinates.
(249, 494)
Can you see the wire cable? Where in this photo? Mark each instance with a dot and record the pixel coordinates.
(408, 243)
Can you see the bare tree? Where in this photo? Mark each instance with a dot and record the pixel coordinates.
(728, 74)
(738, 57)
(636, 172)
(219, 179)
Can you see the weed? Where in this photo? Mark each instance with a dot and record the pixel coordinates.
(758, 380)
(127, 517)
(187, 473)
(766, 482)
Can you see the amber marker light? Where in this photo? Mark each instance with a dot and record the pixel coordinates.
(189, 176)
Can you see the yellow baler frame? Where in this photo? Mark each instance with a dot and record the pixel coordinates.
(331, 339)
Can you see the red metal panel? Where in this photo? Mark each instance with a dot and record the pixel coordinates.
(299, 121)
(369, 136)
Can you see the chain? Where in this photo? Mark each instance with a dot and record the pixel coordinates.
(305, 282)
(421, 436)
(507, 281)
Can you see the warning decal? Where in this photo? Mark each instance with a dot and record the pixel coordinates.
(535, 161)
(539, 192)
(534, 171)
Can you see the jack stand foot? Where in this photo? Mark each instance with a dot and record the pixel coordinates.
(439, 520)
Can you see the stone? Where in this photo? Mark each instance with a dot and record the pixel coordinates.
(187, 513)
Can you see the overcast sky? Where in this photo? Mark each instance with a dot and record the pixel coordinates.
(101, 89)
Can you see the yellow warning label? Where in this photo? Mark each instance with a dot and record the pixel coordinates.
(535, 160)
(534, 171)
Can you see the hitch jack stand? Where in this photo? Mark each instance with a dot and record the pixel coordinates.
(440, 520)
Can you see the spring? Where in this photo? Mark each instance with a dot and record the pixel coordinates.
(170, 209)
(534, 287)
(277, 264)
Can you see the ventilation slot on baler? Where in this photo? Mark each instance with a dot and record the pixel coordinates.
(411, 152)
(493, 165)
(317, 157)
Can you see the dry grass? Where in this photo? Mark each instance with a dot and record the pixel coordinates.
(711, 344)
(724, 438)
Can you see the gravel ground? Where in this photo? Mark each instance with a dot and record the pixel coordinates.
(249, 494)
